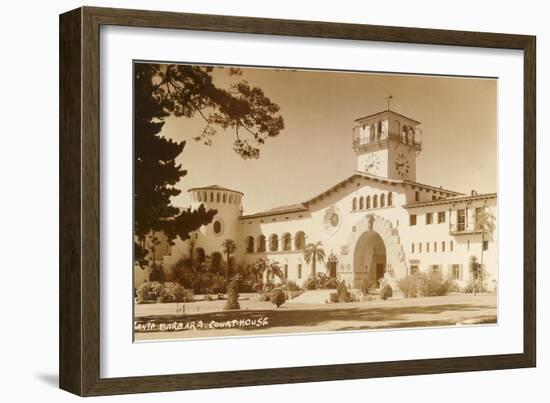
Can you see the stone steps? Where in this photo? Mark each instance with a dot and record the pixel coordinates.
(312, 297)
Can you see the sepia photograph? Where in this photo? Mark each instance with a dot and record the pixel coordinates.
(277, 200)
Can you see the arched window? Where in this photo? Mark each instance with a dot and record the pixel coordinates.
(273, 243)
(287, 245)
(199, 255)
(390, 199)
(217, 197)
(211, 196)
(249, 244)
(204, 196)
(225, 197)
(198, 196)
(368, 202)
(375, 201)
(382, 200)
(411, 136)
(261, 243)
(361, 203)
(404, 134)
(300, 240)
(230, 199)
(354, 204)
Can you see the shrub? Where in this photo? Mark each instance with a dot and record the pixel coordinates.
(310, 283)
(278, 297)
(150, 291)
(409, 286)
(331, 283)
(292, 286)
(258, 287)
(343, 293)
(425, 285)
(469, 287)
(232, 296)
(433, 285)
(386, 292)
(174, 292)
(320, 281)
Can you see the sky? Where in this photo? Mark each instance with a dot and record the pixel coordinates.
(314, 151)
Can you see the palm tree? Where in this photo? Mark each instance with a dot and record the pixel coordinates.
(314, 253)
(229, 247)
(273, 269)
(269, 268)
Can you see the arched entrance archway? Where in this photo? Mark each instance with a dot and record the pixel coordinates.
(369, 258)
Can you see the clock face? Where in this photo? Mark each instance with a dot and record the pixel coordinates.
(372, 164)
(402, 165)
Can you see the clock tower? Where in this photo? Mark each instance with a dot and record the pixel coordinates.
(387, 144)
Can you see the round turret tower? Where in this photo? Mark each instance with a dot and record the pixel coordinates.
(225, 225)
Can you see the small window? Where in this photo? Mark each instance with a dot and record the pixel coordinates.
(354, 204)
(485, 245)
(390, 199)
(412, 219)
(299, 270)
(230, 199)
(468, 245)
(434, 197)
(443, 246)
(440, 217)
(367, 202)
(435, 269)
(382, 200)
(455, 271)
(211, 196)
(429, 218)
(414, 269)
(375, 201)
(435, 246)
(361, 203)
(217, 197)
(451, 246)
(225, 198)
(419, 247)
(286, 271)
(417, 196)
(427, 247)
(412, 247)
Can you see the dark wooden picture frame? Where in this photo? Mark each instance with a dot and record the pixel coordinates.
(79, 347)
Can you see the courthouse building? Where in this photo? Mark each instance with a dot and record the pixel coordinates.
(378, 223)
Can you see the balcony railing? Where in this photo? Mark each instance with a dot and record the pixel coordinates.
(364, 137)
(465, 229)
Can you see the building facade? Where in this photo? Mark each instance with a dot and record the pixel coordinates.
(377, 224)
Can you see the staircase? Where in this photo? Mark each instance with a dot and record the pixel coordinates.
(312, 297)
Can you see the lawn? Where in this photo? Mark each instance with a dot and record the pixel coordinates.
(206, 318)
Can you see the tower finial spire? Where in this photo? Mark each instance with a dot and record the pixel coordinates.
(389, 98)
